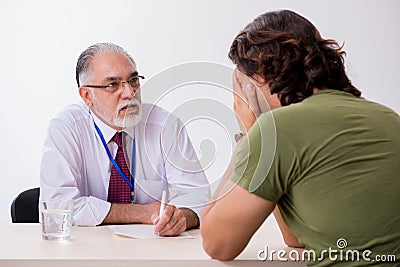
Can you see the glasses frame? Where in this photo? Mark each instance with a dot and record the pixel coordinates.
(120, 84)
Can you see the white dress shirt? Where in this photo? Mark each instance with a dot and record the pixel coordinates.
(75, 163)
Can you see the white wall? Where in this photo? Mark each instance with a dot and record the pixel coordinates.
(41, 40)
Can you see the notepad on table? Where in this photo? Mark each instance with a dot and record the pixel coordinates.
(142, 231)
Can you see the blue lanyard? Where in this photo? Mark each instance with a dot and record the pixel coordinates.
(132, 196)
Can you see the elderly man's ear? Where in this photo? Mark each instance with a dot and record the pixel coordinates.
(86, 96)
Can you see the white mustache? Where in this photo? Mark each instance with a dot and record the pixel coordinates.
(130, 104)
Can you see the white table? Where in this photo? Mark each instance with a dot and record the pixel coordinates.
(22, 245)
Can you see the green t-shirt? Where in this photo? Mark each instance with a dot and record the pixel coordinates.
(332, 164)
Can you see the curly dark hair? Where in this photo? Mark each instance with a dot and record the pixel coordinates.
(287, 51)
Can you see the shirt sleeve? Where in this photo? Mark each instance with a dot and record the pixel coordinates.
(258, 165)
(61, 173)
(188, 185)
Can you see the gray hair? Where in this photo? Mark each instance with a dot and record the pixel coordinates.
(83, 66)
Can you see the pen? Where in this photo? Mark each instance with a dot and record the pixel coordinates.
(163, 202)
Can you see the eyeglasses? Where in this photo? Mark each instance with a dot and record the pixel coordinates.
(114, 86)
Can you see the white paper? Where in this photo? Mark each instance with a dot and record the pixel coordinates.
(142, 231)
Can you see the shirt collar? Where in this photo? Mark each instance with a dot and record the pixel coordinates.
(130, 131)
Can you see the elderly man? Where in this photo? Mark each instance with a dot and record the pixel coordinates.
(115, 156)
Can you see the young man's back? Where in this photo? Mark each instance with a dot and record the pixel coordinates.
(334, 174)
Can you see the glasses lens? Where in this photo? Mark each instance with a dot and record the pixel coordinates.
(113, 87)
(134, 82)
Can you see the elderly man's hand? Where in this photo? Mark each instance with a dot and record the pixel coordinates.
(171, 223)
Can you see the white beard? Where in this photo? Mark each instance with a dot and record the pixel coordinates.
(130, 119)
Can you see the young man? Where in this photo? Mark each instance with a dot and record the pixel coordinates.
(88, 142)
(326, 162)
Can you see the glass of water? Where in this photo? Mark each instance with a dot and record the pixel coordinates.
(56, 218)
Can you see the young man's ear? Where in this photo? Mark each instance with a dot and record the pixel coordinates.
(86, 96)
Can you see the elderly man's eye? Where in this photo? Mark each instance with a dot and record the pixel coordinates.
(113, 85)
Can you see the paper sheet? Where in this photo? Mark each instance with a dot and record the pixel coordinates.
(142, 231)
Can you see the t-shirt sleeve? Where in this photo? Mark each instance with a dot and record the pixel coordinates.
(257, 167)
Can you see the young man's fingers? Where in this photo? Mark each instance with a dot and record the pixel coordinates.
(251, 92)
